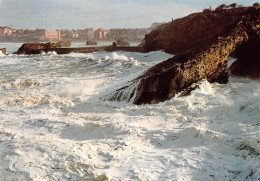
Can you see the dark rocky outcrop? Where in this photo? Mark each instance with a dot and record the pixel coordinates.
(122, 42)
(89, 42)
(248, 54)
(63, 44)
(199, 30)
(35, 48)
(195, 31)
(207, 61)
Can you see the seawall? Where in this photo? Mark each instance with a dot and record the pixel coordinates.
(94, 49)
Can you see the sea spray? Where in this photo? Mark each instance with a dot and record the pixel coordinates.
(56, 122)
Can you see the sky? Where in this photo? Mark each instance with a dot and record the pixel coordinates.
(81, 14)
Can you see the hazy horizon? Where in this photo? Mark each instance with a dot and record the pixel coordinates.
(81, 14)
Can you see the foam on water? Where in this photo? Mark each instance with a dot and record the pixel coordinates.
(55, 126)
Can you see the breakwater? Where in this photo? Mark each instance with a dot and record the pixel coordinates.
(94, 49)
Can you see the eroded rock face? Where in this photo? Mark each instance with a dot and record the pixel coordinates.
(35, 48)
(165, 79)
(199, 30)
(248, 55)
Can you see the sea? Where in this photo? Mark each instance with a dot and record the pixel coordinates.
(56, 122)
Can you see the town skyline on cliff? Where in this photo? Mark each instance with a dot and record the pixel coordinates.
(63, 14)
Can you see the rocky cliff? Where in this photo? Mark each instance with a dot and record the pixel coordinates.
(248, 54)
(199, 30)
(201, 60)
(195, 31)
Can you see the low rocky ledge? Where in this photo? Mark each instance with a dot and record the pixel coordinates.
(38, 48)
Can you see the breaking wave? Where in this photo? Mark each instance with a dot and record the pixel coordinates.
(56, 122)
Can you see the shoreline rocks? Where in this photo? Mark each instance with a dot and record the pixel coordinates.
(199, 30)
(202, 43)
(177, 74)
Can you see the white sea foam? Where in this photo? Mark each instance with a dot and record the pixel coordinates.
(2, 54)
(54, 126)
(119, 57)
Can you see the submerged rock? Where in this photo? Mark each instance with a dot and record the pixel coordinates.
(164, 80)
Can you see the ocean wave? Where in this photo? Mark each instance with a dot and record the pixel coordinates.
(56, 122)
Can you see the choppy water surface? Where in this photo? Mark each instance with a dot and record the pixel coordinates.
(54, 124)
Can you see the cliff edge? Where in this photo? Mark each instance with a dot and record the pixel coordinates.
(199, 30)
(197, 58)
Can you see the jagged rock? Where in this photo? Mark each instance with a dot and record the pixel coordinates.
(35, 48)
(63, 44)
(164, 80)
(89, 42)
(122, 42)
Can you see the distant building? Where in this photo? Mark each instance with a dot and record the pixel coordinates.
(91, 33)
(83, 34)
(5, 32)
(52, 34)
(132, 34)
(43, 34)
(140, 33)
(20, 31)
(100, 34)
